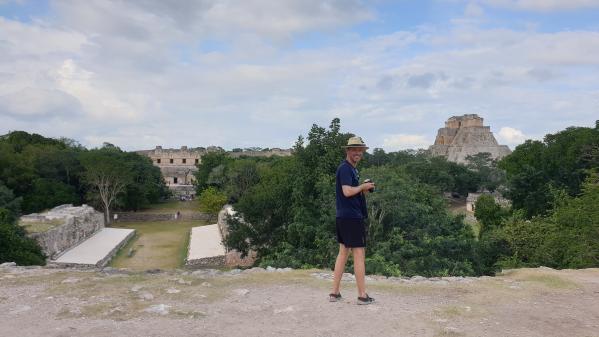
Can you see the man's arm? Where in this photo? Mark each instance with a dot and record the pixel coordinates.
(350, 191)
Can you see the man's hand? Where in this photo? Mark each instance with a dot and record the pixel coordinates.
(366, 187)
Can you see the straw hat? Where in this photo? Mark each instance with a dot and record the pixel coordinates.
(355, 142)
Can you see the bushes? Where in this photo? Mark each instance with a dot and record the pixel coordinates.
(48, 193)
(561, 161)
(15, 246)
(211, 200)
(410, 227)
(566, 238)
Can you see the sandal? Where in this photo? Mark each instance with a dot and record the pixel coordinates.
(335, 297)
(365, 300)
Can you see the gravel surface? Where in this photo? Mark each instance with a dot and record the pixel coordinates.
(530, 302)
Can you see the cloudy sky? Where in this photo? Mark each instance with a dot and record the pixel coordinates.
(261, 72)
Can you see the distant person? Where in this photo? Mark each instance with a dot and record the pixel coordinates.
(350, 226)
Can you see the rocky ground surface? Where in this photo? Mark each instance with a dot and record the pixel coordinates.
(37, 301)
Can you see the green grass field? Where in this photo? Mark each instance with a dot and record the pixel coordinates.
(40, 226)
(158, 244)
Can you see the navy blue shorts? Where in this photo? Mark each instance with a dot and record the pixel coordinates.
(351, 232)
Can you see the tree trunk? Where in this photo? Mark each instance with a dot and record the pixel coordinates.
(106, 213)
(108, 216)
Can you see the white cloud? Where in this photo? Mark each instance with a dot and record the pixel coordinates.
(405, 141)
(19, 39)
(544, 5)
(140, 73)
(473, 9)
(152, 19)
(510, 136)
(35, 103)
(99, 103)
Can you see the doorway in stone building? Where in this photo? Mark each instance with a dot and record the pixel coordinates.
(174, 180)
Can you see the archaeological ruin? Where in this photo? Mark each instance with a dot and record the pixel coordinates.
(75, 235)
(466, 135)
(179, 165)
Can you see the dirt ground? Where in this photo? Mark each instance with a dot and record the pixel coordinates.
(524, 302)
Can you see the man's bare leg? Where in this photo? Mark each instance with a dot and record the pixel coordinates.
(339, 267)
(359, 270)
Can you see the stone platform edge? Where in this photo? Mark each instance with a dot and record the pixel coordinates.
(204, 262)
(100, 264)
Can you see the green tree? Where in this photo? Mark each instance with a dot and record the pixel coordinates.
(412, 230)
(15, 246)
(48, 193)
(485, 166)
(566, 237)
(9, 201)
(147, 186)
(107, 175)
(489, 213)
(43, 171)
(212, 201)
(561, 161)
(209, 161)
(241, 176)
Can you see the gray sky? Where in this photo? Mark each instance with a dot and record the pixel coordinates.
(260, 73)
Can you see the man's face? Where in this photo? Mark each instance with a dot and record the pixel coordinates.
(354, 154)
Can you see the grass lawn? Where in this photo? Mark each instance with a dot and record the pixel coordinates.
(158, 244)
(41, 226)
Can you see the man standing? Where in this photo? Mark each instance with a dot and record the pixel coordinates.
(351, 212)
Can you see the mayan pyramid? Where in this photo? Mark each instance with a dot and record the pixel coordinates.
(466, 135)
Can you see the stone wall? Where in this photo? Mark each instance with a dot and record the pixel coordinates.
(73, 225)
(473, 197)
(213, 261)
(182, 190)
(139, 216)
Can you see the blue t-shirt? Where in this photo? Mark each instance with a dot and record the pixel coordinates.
(353, 207)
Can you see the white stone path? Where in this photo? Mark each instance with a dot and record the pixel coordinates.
(95, 250)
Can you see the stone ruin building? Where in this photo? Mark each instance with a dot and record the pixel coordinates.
(75, 235)
(466, 135)
(179, 165)
(473, 197)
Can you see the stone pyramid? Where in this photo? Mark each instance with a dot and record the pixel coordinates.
(466, 135)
